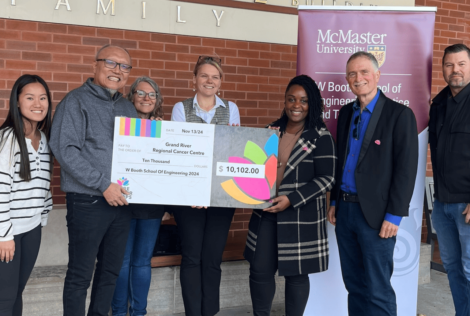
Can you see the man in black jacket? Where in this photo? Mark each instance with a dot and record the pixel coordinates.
(377, 147)
(449, 138)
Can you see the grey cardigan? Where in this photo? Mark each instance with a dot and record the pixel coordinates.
(82, 137)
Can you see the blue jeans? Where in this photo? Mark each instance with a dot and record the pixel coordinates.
(133, 283)
(453, 235)
(366, 263)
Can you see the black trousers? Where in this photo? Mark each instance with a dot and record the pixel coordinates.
(97, 232)
(15, 274)
(262, 270)
(203, 234)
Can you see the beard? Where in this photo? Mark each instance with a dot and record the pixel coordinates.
(456, 81)
(112, 91)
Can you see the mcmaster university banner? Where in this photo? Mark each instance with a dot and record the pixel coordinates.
(401, 38)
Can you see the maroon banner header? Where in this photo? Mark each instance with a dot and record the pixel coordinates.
(401, 41)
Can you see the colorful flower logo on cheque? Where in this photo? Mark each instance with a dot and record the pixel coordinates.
(255, 191)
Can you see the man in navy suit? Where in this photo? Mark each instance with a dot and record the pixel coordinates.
(377, 147)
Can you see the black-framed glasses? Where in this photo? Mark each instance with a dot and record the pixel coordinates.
(111, 64)
(203, 58)
(142, 94)
(357, 126)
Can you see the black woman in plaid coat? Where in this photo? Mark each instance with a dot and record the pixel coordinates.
(291, 236)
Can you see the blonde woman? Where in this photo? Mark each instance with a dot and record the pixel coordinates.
(203, 231)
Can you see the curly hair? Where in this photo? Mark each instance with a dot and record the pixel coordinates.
(314, 117)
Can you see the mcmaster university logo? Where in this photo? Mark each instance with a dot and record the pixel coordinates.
(379, 53)
(349, 42)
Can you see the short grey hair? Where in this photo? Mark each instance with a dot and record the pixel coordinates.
(367, 55)
(158, 111)
(109, 46)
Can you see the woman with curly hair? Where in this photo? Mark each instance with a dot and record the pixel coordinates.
(291, 236)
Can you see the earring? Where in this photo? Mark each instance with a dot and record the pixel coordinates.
(194, 90)
(218, 93)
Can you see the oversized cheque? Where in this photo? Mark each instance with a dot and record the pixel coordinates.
(179, 163)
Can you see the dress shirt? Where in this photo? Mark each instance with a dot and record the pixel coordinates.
(178, 111)
(348, 181)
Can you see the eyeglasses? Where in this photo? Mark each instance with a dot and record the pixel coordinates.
(112, 64)
(142, 94)
(357, 123)
(203, 58)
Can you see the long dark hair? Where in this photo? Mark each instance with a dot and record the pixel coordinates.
(314, 119)
(14, 122)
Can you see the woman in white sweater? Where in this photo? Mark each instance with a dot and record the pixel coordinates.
(25, 196)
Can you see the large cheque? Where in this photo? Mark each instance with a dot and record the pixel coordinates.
(177, 163)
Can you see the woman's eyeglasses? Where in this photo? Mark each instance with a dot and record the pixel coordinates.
(142, 94)
(217, 60)
(357, 126)
(111, 64)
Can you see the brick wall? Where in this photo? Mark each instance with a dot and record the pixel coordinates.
(452, 27)
(256, 74)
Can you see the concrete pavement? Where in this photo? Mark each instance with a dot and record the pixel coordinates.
(43, 294)
(434, 299)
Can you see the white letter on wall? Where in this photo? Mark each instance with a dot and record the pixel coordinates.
(63, 2)
(218, 17)
(13, 2)
(143, 9)
(178, 19)
(105, 11)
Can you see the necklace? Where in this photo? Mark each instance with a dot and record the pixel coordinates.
(282, 154)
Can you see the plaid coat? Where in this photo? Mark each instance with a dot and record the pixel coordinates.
(302, 227)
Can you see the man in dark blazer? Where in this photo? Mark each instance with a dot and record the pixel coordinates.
(377, 148)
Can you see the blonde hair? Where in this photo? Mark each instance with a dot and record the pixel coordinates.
(207, 60)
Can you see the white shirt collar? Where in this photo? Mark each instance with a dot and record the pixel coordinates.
(218, 102)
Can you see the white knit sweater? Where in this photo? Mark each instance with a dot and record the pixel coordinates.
(24, 205)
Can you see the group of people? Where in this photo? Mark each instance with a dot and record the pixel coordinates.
(370, 171)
